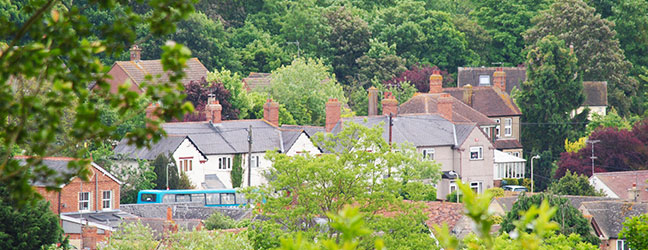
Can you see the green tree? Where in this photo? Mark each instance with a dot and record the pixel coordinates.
(161, 165)
(218, 220)
(635, 231)
(141, 178)
(236, 175)
(569, 219)
(348, 40)
(258, 99)
(573, 184)
(31, 226)
(53, 49)
(303, 88)
(505, 21)
(304, 27)
(184, 182)
(233, 82)
(552, 90)
(600, 57)
(631, 25)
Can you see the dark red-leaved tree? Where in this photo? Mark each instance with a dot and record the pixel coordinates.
(419, 76)
(617, 150)
(198, 92)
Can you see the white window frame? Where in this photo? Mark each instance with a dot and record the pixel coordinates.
(428, 154)
(255, 161)
(487, 131)
(109, 200)
(480, 153)
(622, 244)
(87, 201)
(452, 187)
(484, 80)
(508, 126)
(225, 163)
(497, 128)
(476, 185)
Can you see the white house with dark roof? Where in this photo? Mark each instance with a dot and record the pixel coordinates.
(210, 147)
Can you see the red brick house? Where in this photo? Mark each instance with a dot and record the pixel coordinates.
(136, 70)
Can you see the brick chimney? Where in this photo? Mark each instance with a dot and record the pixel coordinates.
(135, 52)
(389, 104)
(633, 193)
(333, 113)
(467, 94)
(213, 110)
(271, 112)
(436, 82)
(499, 79)
(444, 106)
(373, 101)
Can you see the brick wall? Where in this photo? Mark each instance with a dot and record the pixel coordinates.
(69, 196)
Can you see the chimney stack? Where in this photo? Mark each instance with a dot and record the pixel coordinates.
(436, 82)
(213, 109)
(467, 94)
(499, 79)
(150, 111)
(389, 104)
(444, 106)
(373, 101)
(633, 193)
(135, 52)
(271, 112)
(333, 113)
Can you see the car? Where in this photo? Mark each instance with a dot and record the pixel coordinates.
(515, 188)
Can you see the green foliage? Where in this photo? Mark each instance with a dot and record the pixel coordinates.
(219, 220)
(184, 182)
(631, 25)
(403, 91)
(135, 236)
(233, 82)
(496, 192)
(47, 64)
(510, 181)
(568, 219)
(599, 56)
(303, 88)
(577, 145)
(418, 191)
(165, 167)
(611, 120)
(236, 175)
(27, 227)
(452, 197)
(348, 40)
(208, 240)
(135, 179)
(635, 231)
(573, 184)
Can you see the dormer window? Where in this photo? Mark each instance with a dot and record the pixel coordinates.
(484, 80)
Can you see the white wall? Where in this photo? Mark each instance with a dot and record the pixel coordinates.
(598, 185)
(303, 144)
(187, 151)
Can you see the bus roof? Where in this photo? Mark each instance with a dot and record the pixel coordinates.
(189, 191)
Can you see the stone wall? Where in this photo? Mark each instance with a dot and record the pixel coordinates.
(184, 211)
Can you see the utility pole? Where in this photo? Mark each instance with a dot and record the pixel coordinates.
(533, 157)
(249, 174)
(167, 176)
(593, 157)
(391, 124)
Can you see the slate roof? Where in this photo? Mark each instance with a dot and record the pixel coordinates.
(421, 130)
(290, 136)
(620, 182)
(112, 218)
(507, 202)
(507, 144)
(165, 146)
(257, 81)
(138, 70)
(515, 76)
(595, 93)
(310, 130)
(608, 216)
(489, 101)
(61, 170)
(426, 103)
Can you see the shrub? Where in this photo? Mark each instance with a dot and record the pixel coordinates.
(496, 192)
(452, 197)
(219, 221)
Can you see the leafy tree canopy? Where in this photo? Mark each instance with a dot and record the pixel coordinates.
(573, 184)
(635, 231)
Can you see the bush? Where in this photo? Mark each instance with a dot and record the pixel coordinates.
(452, 197)
(417, 191)
(508, 181)
(497, 192)
(219, 221)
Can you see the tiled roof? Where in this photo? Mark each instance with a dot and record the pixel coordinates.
(138, 70)
(595, 93)
(165, 146)
(488, 100)
(61, 170)
(515, 76)
(257, 81)
(443, 212)
(425, 103)
(620, 182)
(507, 144)
(421, 130)
(608, 216)
(310, 130)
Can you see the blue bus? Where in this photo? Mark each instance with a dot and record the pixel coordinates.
(209, 197)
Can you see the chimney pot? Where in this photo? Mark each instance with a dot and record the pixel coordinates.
(333, 114)
(436, 82)
(271, 112)
(499, 79)
(135, 53)
(389, 104)
(214, 110)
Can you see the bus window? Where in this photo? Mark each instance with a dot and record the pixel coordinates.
(213, 199)
(228, 199)
(183, 198)
(240, 199)
(198, 198)
(148, 198)
(168, 198)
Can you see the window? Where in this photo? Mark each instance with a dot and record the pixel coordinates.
(225, 163)
(148, 198)
(497, 128)
(180, 167)
(428, 154)
(487, 131)
(508, 127)
(484, 80)
(106, 199)
(84, 201)
(516, 154)
(476, 153)
(190, 165)
(255, 161)
(453, 186)
(476, 186)
(621, 245)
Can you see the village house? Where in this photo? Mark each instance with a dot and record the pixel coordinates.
(461, 148)
(629, 185)
(89, 210)
(136, 70)
(607, 217)
(207, 151)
